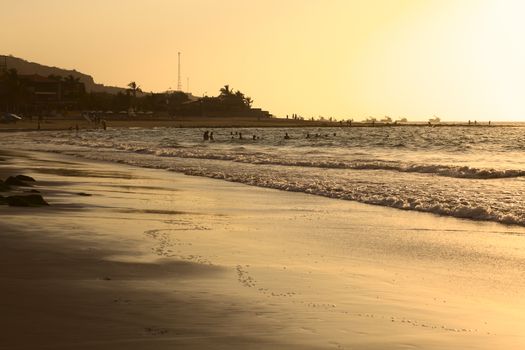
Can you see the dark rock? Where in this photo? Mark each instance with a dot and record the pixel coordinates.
(24, 178)
(32, 200)
(13, 181)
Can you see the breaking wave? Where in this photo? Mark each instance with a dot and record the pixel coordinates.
(471, 174)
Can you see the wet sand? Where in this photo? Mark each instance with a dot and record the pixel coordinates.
(150, 259)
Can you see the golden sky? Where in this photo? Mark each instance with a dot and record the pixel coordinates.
(457, 59)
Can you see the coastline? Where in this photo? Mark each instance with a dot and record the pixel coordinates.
(159, 259)
(208, 122)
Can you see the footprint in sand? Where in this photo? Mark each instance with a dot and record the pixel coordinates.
(155, 331)
(166, 246)
(244, 278)
(122, 301)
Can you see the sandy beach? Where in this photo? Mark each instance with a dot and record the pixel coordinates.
(134, 258)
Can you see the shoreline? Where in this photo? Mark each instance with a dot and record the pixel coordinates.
(65, 124)
(158, 259)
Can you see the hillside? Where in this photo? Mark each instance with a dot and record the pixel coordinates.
(26, 67)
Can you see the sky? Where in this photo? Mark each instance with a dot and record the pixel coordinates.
(456, 59)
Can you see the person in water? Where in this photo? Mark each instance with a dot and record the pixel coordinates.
(206, 135)
(307, 135)
(240, 136)
(254, 137)
(286, 137)
(211, 136)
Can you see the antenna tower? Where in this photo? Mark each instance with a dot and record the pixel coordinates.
(179, 84)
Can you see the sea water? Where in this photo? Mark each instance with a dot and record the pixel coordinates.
(467, 172)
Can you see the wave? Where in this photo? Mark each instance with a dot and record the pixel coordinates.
(419, 198)
(241, 154)
(487, 201)
(463, 172)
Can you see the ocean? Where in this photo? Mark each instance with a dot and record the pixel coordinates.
(466, 172)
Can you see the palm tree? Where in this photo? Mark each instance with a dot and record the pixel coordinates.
(73, 87)
(239, 95)
(225, 91)
(133, 89)
(248, 101)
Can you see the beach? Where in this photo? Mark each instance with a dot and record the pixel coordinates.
(135, 258)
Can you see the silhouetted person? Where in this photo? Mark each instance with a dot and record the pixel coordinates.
(206, 135)
(254, 137)
(286, 136)
(335, 134)
(104, 125)
(240, 136)
(307, 135)
(211, 136)
(489, 122)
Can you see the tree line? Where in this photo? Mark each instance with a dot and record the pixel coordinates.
(18, 94)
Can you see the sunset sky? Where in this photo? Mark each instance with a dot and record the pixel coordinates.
(457, 59)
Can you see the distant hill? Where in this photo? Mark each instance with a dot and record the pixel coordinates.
(26, 67)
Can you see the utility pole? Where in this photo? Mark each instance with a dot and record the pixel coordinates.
(179, 84)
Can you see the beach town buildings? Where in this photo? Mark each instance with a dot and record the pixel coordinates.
(36, 93)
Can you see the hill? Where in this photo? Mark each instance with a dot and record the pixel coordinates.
(26, 67)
